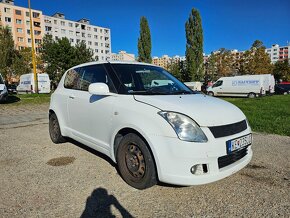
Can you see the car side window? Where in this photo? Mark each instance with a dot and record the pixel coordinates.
(73, 78)
(218, 83)
(95, 74)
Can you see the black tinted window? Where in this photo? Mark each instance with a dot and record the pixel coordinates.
(218, 83)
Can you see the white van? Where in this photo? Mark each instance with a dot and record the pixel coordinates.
(238, 86)
(27, 84)
(153, 126)
(3, 90)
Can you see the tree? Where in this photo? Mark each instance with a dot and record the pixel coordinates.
(256, 60)
(174, 69)
(194, 46)
(60, 55)
(281, 70)
(22, 62)
(144, 42)
(7, 52)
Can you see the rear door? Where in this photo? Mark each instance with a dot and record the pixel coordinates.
(90, 116)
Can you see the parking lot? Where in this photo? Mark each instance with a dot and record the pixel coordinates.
(42, 179)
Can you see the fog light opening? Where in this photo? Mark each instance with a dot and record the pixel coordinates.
(199, 169)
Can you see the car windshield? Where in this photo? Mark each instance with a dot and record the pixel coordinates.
(148, 80)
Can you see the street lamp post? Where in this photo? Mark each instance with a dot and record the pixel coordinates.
(33, 50)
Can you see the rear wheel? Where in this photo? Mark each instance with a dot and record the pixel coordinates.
(54, 130)
(135, 162)
(251, 95)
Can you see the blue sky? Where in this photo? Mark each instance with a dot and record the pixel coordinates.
(231, 24)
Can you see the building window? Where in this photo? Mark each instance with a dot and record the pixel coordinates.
(89, 35)
(37, 33)
(47, 28)
(8, 19)
(55, 21)
(27, 14)
(18, 21)
(96, 44)
(36, 24)
(28, 31)
(35, 14)
(19, 30)
(71, 32)
(17, 12)
(101, 30)
(38, 41)
(7, 10)
(62, 23)
(20, 39)
(27, 22)
(89, 28)
(63, 31)
(89, 43)
(96, 50)
(95, 36)
(70, 24)
(83, 35)
(95, 30)
(29, 40)
(101, 37)
(71, 40)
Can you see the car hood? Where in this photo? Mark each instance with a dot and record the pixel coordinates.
(205, 110)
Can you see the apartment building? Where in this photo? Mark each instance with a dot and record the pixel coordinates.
(278, 53)
(17, 19)
(97, 38)
(122, 56)
(165, 60)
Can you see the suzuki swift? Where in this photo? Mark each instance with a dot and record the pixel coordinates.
(153, 126)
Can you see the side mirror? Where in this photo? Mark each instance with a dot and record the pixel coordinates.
(99, 89)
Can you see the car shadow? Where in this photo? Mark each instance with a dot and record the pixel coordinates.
(11, 99)
(99, 205)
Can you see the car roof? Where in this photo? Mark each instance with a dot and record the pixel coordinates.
(113, 62)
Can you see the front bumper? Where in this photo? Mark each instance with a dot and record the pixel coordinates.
(175, 159)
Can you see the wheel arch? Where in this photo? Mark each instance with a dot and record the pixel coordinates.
(126, 130)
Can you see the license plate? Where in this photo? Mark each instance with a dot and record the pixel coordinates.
(238, 143)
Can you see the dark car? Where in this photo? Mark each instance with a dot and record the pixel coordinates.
(12, 88)
(282, 89)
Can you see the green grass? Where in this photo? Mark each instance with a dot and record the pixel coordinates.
(18, 100)
(269, 114)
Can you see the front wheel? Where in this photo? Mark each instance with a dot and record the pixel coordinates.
(135, 162)
(210, 94)
(54, 130)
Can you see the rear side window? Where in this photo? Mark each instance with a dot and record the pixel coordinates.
(81, 78)
(72, 79)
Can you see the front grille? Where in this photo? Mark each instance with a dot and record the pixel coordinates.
(231, 158)
(230, 129)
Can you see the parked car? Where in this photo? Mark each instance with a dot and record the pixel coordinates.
(282, 88)
(153, 126)
(3, 90)
(12, 88)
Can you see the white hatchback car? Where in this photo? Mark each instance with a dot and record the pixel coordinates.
(149, 123)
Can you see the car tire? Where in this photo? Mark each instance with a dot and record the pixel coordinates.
(54, 130)
(210, 94)
(251, 95)
(135, 162)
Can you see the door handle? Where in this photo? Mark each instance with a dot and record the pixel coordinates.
(72, 96)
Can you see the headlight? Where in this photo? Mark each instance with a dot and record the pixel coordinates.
(185, 128)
